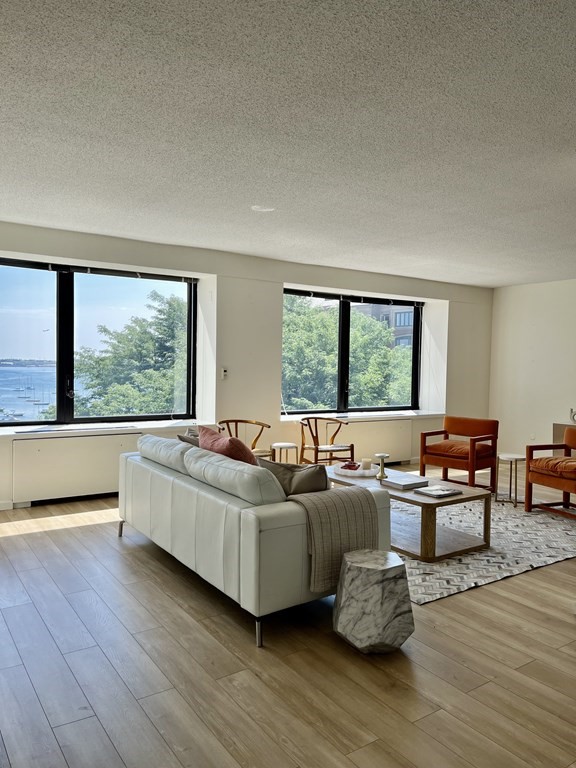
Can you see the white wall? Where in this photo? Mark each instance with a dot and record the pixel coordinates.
(533, 380)
(240, 318)
(250, 349)
(468, 364)
(434, 355)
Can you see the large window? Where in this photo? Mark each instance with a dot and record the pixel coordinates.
(78, 344)
(339, 353)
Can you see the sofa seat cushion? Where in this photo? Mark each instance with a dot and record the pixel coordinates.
(298, 478)
(557, 466)
(458, 448)
(227, 446)
(251, 483)
(164, 450)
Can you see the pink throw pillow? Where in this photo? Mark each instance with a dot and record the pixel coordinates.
(227, 446)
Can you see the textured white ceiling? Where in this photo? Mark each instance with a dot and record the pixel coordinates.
(428, 138)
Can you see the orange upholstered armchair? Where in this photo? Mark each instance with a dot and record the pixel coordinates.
(466, 444)
(557, 472)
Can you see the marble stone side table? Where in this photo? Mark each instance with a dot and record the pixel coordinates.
(372, 610)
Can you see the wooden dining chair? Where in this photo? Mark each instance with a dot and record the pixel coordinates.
(318, 436)
(249, 432)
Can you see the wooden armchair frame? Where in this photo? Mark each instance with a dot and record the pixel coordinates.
(471, 459)
(323, 453)
(559, 483)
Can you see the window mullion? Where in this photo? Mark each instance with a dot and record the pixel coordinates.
(343, 355)
(191, 351)
(416, 345)
(65, 347)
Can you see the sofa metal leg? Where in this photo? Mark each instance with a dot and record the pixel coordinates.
(120, 527)
(259, 633)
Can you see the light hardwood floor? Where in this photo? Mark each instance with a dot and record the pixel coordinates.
(112, 654)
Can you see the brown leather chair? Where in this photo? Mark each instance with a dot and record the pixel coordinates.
(557, 472)
(323, 452)
(245, 430)
(477, 451)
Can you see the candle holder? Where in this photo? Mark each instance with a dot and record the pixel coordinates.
(382, 472)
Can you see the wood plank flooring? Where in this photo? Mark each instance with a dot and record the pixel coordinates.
(113, 654)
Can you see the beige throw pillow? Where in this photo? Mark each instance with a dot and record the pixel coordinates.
(190, 439)
(298, 478)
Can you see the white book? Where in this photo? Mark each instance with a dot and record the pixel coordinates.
(404, 482)
(438, 491)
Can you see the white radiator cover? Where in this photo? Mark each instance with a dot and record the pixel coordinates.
(61, 467)
(392, 436)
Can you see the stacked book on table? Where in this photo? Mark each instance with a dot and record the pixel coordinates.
(403, 481)
(438, 491)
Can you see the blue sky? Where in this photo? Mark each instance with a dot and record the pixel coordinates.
(28, 298)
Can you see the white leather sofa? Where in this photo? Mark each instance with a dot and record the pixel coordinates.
(228, 521)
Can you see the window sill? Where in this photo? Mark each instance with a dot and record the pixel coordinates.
(96, 428)
(367, 415)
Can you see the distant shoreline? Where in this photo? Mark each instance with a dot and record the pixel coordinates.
(15, 362)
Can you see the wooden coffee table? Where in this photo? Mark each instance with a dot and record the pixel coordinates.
(427, 541)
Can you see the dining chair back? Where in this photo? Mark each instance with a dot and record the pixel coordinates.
(249, 431)
(318, 438)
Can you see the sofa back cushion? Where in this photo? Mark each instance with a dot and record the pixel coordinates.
(249, 482)
(164, 450)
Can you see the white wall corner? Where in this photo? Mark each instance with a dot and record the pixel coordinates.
(206, 350)
(434, 356)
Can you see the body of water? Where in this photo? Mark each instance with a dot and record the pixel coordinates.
(26, 392)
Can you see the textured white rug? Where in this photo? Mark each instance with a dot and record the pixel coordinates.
(520, 541)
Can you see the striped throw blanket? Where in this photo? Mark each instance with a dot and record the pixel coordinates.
(338, 521)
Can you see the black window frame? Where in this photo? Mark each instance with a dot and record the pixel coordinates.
(345, 303)
(65, 342)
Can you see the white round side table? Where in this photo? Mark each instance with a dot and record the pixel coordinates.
(281, 447)
(512, 460)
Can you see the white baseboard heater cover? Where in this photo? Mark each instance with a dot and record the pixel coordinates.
(60, 467)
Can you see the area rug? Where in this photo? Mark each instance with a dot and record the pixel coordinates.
(520, 541)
